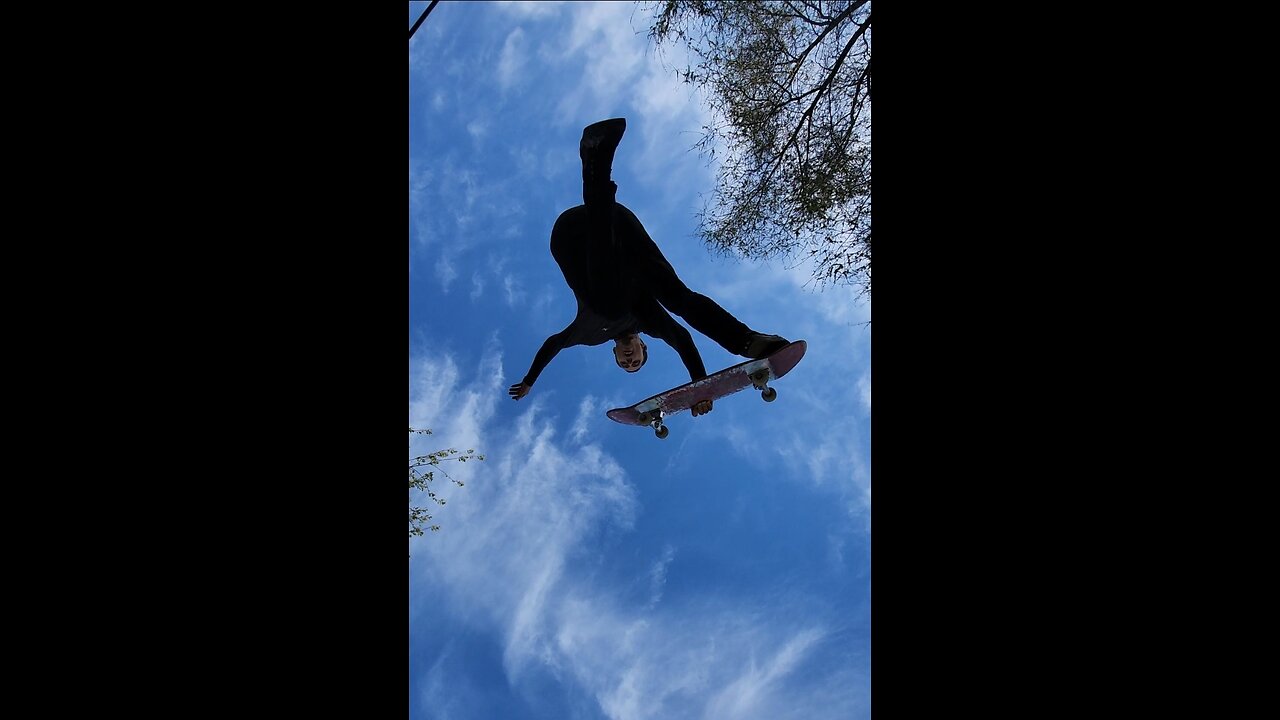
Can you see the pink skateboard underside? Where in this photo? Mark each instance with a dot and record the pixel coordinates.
(711, 387)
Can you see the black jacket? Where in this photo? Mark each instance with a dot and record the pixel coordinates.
(610, 279)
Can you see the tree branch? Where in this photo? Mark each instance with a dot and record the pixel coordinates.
(830, 26)
(414, 29)
(795, 13)
(823, 87)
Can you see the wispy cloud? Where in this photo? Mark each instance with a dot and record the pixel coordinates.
(478, 129)
(698, 663)
(556, 162)
(526, 9)
(586, 413)
(602, 45)
(443, 691)
(421, 179)
(515, 291)
(669, 117)
(522, 511)
(528, 522)
(835, 549)
(512, 59)
(445, 272)
(748, 696)
(833, 461)
(526, 161)
(455, 194)
(658, 575)
(864, 389)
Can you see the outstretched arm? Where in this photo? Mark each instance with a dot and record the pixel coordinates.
(549, 348)
(682, 342)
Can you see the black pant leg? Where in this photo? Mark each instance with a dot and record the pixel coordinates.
(701, 312)
(611, 286)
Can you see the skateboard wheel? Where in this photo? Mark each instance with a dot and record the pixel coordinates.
(769, 394)
(662, 432)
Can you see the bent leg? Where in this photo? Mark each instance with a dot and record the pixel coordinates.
(701, 312)
(708, 318)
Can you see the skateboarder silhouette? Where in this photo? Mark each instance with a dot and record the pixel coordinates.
(623, 284)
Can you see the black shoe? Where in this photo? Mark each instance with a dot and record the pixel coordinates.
(760, 345)
(599, 141)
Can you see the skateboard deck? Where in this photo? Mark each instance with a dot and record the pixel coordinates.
(757, 373)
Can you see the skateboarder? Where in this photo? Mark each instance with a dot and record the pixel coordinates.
(623, 284)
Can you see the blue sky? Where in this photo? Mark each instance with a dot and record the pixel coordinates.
(587, 569)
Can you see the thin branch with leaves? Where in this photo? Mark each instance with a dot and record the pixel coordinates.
(420, 482)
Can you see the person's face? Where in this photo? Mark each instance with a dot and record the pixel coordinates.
(628, 353)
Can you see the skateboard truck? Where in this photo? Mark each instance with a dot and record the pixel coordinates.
(654, 419)
(760, 379)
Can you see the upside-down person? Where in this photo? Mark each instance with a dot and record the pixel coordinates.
(623, 284)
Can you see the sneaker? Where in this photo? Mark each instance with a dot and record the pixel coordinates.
(599, 141)
(760, 345)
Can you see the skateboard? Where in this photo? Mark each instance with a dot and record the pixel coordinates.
(755, 373)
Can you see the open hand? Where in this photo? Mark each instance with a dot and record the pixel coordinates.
(701, 408)
(518, 391)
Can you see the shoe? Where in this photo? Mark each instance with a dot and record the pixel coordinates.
(599, 141)
(760, 345)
